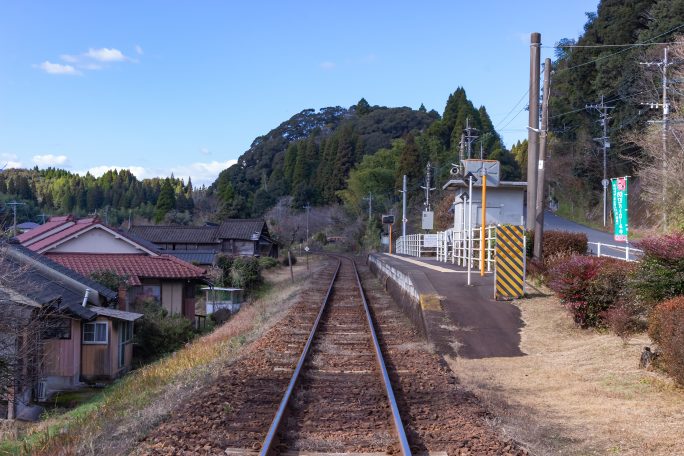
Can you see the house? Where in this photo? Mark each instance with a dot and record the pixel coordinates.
(237, 237)
(54, 331)
(87, 246)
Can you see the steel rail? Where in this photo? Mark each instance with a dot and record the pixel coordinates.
(396, 418)
(272, 431)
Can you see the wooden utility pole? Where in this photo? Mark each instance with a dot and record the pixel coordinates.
(539, 208)
(532, 135)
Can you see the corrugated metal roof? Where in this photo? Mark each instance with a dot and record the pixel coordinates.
(114, 313)
(204, 257)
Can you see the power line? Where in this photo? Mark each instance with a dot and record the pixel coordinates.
(563, 46)
(512, 109)
(631, 46)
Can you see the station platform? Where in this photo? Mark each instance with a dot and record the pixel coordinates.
(459, 320)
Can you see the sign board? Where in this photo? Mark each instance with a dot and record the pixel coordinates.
(481, 167)
(306, 249)
(430, 241)
(384, 239)
(428, 220)
(620, 221)
(510, 262)
(387, 219)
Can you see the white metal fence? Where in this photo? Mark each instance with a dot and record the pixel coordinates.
(451, 246)
(619, 252)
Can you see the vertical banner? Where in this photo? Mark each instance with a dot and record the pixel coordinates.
(621, 228)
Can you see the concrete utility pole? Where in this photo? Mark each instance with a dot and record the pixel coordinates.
(532, 146)
(663, 64)
(461, 148)
(370, 205)
(539, 208)
(403, 207)
(14, 205)
(603, 111)
(426, 187)
(307, 208)
(470, 137)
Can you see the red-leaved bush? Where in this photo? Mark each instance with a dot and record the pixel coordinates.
(666, 328)
(590, 286)
(669, 247)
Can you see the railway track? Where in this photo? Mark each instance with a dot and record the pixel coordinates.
(339, 398)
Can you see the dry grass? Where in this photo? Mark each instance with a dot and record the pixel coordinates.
(577, 392)
(122, 415)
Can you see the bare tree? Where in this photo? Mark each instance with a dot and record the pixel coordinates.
(24, 326)
(661, 166)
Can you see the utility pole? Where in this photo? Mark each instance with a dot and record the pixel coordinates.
(461, 148)
(370, 205)
(307, 208)
(427, 188)
(603, 112)
(14, 205)
(470, 137)
(42, 217)
(532, 135)
(403, 207)
(539, 208)
(663, 64)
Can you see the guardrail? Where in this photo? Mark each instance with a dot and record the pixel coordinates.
(620, 252)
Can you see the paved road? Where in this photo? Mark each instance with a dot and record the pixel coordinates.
(554, 222)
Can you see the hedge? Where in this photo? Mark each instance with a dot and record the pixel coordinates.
(666, 328)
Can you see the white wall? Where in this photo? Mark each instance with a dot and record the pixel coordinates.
(95, 240)
(504, 206)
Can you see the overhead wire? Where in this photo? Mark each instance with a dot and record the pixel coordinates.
(631, 46)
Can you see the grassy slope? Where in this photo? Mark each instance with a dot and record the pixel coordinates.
(113, 421)
(577, 392)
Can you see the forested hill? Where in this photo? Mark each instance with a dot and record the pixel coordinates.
(311, 155)
(595, 65)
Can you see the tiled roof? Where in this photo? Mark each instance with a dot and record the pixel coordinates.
(135, 267)
(169, 234)
(243, 229)
(79, 226)
(17, 251)
(51, 224)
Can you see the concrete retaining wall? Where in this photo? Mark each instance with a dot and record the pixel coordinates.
(412, 291)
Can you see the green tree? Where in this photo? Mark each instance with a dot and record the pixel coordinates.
(165, 202)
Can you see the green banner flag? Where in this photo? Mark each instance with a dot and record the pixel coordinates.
(619, 187)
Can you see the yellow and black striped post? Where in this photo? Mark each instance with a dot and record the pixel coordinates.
(510, 262)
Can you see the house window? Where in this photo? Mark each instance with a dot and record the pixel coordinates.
(126, 328)
(95, 333)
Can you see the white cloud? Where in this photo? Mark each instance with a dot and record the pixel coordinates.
(106, 55)
(202, 173)
(57, 68)
(50, 160)
(139, 50)
(328, 65)
(137, 171)
(204, 151)
(69, 58)
(9, 161)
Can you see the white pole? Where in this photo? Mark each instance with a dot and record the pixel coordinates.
(470, 226)
(598, 249)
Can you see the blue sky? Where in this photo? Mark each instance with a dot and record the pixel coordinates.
(184, 87)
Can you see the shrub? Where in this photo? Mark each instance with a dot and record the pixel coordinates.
(245, 273)
(284, 261)
(109, 279)
(590, 286)
(224, 263)
(267, 262)
(666, 328)
(558, 243)
(158, 333)
(660, 275)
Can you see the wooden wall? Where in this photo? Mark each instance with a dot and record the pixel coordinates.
(63, 356)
